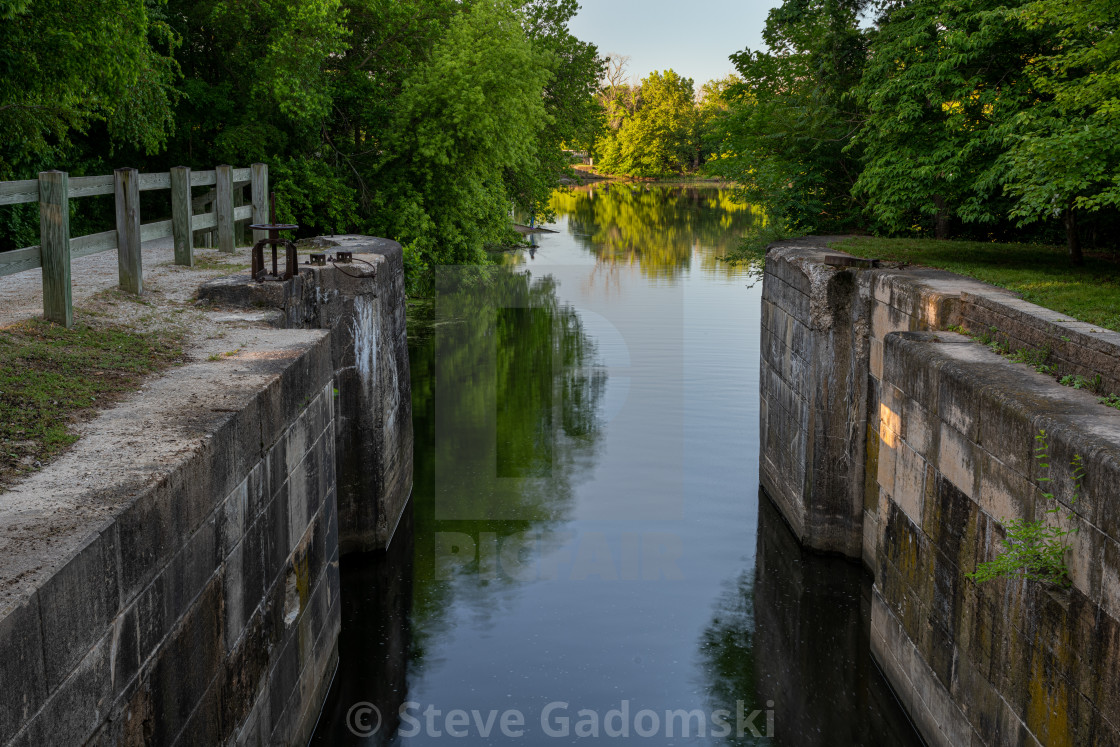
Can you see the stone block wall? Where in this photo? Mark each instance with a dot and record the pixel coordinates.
(945, 458)
(205, 608)
(1074, 347)
(1004, 662)
(173, 578)
(814, 355)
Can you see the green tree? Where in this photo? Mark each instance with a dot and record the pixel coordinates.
(942, 83)
(421, 120)
(790, 119)
(1064, 153)
(66, 67)
(572, 117)
(465, 116)
(255, 77)
(712, 113)
(659, 138)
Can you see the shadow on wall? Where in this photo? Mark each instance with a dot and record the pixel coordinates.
(795, 633)
(376, 639)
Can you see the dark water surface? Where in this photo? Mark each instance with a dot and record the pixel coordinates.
(587, 556)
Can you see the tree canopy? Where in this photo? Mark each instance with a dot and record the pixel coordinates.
(422, 120)
(991, 119)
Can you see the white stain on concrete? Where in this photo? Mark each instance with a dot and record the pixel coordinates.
(365, 340)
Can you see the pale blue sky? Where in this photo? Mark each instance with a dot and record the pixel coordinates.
(693, 37)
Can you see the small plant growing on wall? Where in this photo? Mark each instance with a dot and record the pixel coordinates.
(1036, 549)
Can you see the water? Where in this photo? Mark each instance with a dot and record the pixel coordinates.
(587, 550)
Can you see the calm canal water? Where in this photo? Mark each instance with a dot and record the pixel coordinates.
(587, 550)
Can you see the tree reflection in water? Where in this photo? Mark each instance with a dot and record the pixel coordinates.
(511, 417)
(794, 632)
(662, 229)
(506, 399)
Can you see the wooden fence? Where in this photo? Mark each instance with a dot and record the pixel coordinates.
(54, 189)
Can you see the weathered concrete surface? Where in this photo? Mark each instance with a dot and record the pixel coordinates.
(1074, 347)
(947, 459)
(822, 356)
(173, 578)
(1018, 661)
(363, 305)
(814, 359)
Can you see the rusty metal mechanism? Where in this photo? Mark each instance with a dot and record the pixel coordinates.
(344, 257)
(258, 269)
(319, 260)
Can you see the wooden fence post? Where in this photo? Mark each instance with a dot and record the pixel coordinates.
(223, 206)
(54, 246)
(181, 215)
(238, 225)
(126, 190)
(259, 181)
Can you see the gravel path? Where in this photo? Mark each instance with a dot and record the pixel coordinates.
(21, 295)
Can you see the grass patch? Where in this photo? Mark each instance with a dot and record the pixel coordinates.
(52, 378)
(1039, 274)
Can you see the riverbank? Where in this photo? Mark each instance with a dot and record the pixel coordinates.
(1037, 273)
(586, 175)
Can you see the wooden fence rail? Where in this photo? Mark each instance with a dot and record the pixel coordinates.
(54, 189)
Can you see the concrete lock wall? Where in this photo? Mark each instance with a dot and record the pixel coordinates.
(946, 458)
(173, 578)
(364, 302)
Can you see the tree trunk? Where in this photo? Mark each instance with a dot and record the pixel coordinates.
(941, 222)
(1072, 239)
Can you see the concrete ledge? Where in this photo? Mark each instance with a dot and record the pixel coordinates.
(1075, 347)
(148, 564)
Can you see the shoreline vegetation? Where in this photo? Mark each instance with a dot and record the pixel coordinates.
(991, 121)
(432, 121)
(586, 176)
(419, 120)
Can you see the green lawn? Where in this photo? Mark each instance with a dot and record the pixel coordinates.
(1039, 274)
(51, 378)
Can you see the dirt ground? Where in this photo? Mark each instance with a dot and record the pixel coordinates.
(168, 288)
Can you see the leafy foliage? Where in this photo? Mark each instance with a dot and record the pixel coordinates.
(421, 120)
(66, 66)
(790, 119)
(1064, 155)
(1035, 549)
(463, 118)
(989, 119)
(942, 82)
(659, 137)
